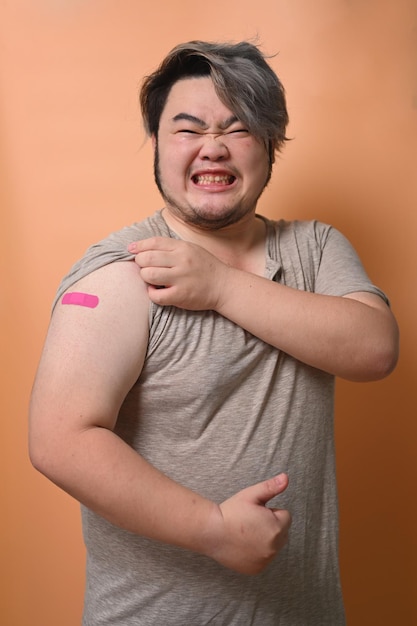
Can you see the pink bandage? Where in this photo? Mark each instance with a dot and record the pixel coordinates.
(82, 299)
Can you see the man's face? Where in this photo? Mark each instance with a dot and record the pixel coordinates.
(209, 168)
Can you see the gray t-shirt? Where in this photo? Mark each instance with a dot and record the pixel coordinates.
(217, 410)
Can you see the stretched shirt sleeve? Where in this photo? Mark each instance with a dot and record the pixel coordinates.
(109, 250)
(112, 249)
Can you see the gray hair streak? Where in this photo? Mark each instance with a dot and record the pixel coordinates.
(243, 81)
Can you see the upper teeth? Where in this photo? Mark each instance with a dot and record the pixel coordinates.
(208, 178)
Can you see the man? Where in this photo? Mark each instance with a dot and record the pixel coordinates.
(180, 394)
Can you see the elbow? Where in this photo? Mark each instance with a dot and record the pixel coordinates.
(375, 357)
(375, 348)
(383, 350)
(383, 358)
(389, 350)
(44, 454)
(39, 456)
(384, 364)
(49, 463)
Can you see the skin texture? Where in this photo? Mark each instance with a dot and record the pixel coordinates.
(218, 265)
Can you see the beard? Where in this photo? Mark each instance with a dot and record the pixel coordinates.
(204, 216)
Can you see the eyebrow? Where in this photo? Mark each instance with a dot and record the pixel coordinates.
(196, 120)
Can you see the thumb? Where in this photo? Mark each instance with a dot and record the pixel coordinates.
(264, 491)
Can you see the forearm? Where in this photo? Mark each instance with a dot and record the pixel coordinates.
(108, 476)
(354, 337)
(104, 473)
(342, 336)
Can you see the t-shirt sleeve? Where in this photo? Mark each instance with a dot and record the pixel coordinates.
(109, 250)
(340, 270)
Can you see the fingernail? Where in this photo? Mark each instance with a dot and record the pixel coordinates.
(132, 247)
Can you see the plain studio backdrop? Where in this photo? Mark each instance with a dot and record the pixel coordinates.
(75, 166)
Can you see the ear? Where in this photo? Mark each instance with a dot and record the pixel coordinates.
(153, 139)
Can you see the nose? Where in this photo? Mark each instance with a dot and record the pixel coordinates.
(213, 148)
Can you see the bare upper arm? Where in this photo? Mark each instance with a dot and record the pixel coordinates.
(92, 356)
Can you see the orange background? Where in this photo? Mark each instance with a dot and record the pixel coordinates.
(74, 166)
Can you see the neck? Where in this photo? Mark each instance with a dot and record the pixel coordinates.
(240, 245)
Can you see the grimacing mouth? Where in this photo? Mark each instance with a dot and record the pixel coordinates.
(213, 179)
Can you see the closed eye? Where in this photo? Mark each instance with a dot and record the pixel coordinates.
(187, 130)
(238, 130)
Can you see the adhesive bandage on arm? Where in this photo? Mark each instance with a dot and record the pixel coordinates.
(81, 299)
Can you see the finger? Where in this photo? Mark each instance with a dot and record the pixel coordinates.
(157, 276)
(153, 258)
(284, 518)
(264, 491)
(152, 243)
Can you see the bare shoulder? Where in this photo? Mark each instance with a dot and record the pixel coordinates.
(106, 310)
(110, 296)
(96, 343)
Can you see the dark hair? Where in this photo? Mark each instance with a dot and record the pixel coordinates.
(242, 78)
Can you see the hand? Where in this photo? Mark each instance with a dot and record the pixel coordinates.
(180, 273)
(250, 535)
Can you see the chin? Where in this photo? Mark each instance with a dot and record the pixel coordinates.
(211, 218)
